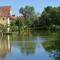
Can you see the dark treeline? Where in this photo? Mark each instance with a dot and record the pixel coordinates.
(48, 20)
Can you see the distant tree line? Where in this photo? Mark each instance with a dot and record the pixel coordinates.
(48, 20)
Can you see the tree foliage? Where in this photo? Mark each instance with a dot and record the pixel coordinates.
(50, 16)
(29, 13)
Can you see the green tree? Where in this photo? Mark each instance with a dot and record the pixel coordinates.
(19, 23)
(29, 13)
(50, 17)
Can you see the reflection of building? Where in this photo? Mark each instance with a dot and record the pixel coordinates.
(4, 46)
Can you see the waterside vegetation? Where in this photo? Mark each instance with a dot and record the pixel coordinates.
(49, 20)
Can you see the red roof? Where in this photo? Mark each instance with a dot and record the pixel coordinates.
(5, 11)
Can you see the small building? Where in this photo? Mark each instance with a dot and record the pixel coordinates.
(5, 13)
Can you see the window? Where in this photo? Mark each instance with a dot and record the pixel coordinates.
(3, 18)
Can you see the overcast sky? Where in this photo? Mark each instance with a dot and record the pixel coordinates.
(38, 4)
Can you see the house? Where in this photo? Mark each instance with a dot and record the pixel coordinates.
(5, 13)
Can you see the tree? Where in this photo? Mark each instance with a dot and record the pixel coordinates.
(19, 23)
(29, 13)
(50, 17)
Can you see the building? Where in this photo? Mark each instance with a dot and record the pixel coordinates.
(5, 13)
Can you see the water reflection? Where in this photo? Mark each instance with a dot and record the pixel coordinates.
(53, 46)
(4, 46)
(30, 46)
(27, 43)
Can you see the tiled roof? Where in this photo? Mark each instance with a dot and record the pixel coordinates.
(5, 11)
(13, 17)
(21, 17)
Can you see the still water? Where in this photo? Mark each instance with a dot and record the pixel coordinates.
(30, 46)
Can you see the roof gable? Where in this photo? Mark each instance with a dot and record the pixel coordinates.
(5, 11)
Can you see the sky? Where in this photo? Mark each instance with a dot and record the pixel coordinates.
(39, 5)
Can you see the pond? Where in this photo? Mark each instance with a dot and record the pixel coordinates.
(30, 46)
